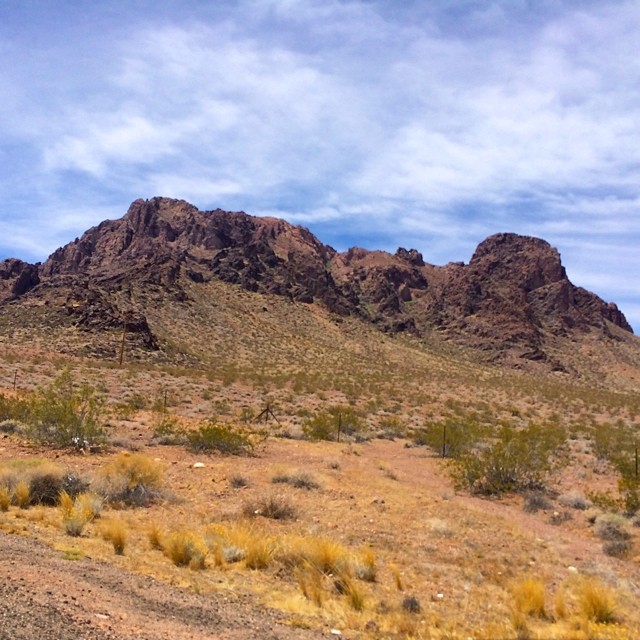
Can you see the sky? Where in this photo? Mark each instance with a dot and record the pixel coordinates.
(378, 123)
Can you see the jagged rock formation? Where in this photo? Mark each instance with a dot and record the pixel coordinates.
(512, 298)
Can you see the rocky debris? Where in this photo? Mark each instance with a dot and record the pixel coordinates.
(512, 298)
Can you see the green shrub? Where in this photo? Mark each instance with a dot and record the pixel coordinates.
(325, 425)
(212, 436)
(168, 429)
(516, 460)
(451, 437)
(65, 416)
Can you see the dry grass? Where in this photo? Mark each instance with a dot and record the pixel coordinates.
(116, 532)
(185, 549)
(528, 597)
(22, 494)
(598, 602)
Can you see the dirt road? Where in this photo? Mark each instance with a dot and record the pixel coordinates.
(44, 596)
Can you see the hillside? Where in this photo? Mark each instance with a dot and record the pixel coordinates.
(161, 273)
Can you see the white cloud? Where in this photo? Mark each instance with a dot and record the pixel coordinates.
(437, 122)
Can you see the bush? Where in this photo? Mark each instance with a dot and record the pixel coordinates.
(535, 501)
(516, 460)
(212, 436)
(276, 507)
(63, 416)
(452, 437)
(610, 526)
(300, 480)
(326, 424)
(131, 480)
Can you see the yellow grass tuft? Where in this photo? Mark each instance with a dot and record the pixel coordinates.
(185, 549)
(115, 531)
(22, 494)
(528, 598)
(5, 498)
(597, 601)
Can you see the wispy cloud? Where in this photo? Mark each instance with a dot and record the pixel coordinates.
(427, 124)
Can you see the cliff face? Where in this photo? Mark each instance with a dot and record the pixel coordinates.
(513, 297)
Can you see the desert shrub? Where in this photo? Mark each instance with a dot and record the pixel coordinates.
(131, 480)
(45, 488)
(392, 427)
(325, 425)
(452, 437)
(516, 460)
(62, 415)
(617, 548)
(14, 410)
(629, 488)
(611, 526)
(597, 601)
(535, 501)
(574, 500)
(238, 481)
(168, 430)
(301, 480)
(227, 440)
(411, 604)
(275, 507)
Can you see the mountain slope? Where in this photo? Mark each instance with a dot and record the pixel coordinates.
(154, 272)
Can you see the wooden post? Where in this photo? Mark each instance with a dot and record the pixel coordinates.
(164, 404)
(15, 380)
(124, 335)
(339, 425)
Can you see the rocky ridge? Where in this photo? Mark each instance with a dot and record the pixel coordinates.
(511, 303)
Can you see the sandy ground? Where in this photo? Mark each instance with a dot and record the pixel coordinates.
(48, 597)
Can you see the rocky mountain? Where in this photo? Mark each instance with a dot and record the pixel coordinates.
(511, 303)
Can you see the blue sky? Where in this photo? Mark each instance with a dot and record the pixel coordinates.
(377, 123)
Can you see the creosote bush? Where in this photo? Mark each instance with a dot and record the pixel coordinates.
(515, 460)
(227, 440)
(66, 415)
(337, 419)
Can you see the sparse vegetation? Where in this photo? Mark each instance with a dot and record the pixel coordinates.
(131, 480)
(516, 460)
(222, 438)
(64, 414)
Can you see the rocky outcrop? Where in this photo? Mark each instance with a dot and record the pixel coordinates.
(16, 278)
(512, 297)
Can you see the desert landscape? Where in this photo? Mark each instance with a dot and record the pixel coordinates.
(216, 426)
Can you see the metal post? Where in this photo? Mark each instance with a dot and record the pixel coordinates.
(444, 439)
(339, 425)
(15, 380)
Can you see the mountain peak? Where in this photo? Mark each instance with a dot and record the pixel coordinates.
(512, 302)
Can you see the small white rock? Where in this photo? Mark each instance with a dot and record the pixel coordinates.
(198, 465)
(336, 632)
